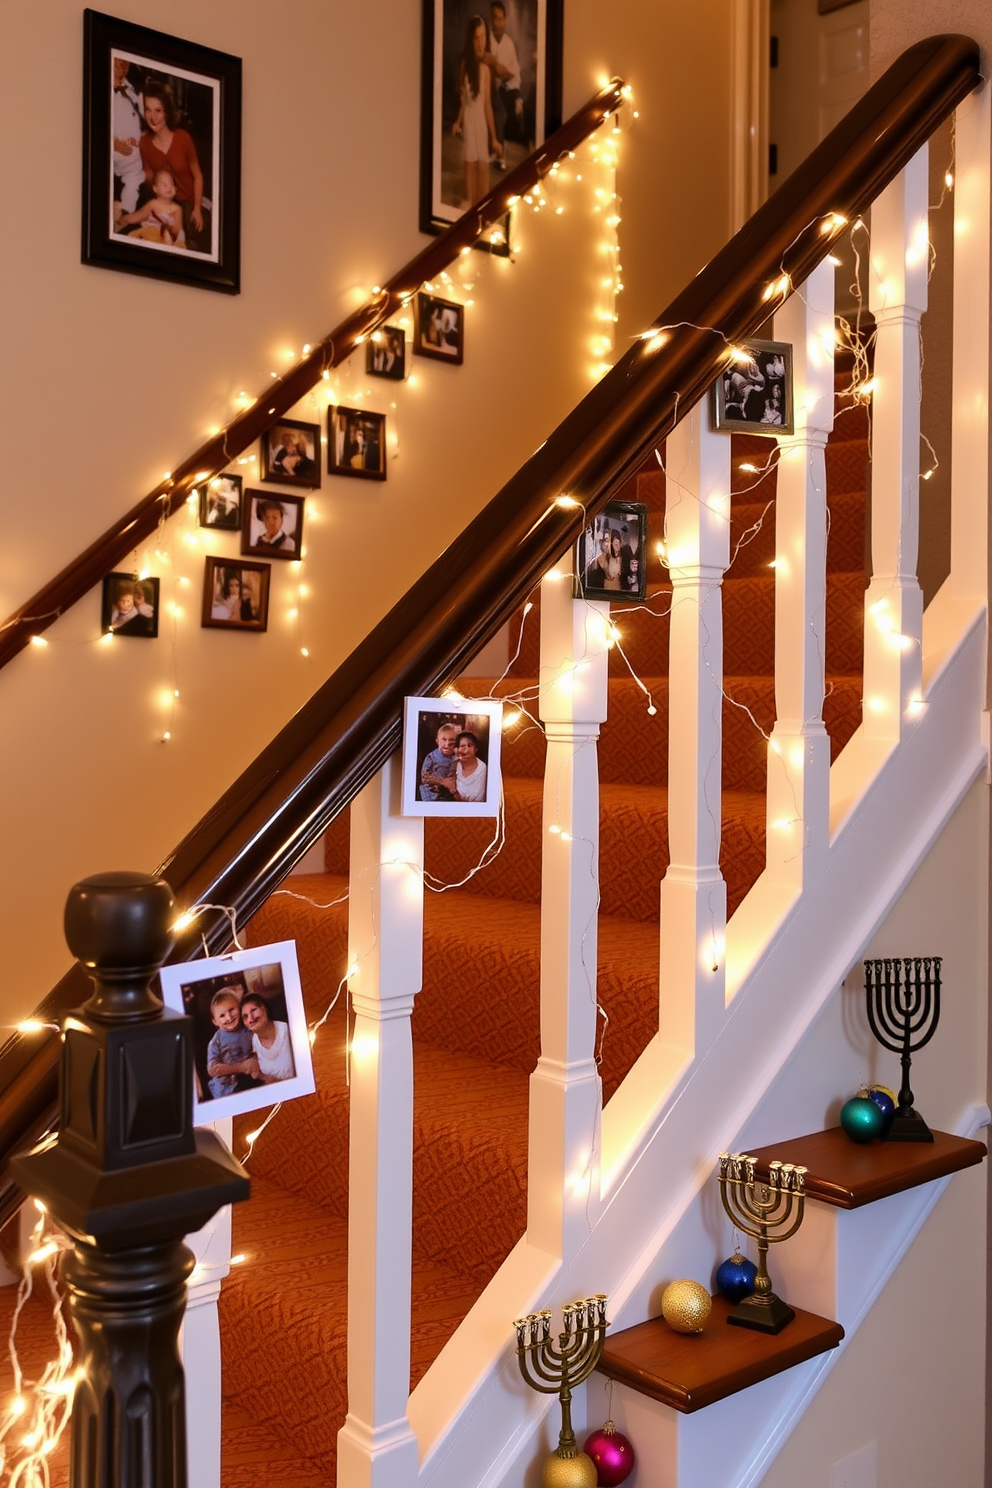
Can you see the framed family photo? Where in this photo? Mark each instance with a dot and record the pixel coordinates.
(272, 526)
(753, 395)
(611, 555)
(491, 93)
(451, 753)
(235, 595)
(251, 1046)
(290, 454)
(161, 155)
(440, 329)
(220, 503)
(130, 605)
(385, 353)
(356, 442)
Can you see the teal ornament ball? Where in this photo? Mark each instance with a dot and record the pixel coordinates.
(862, 1119)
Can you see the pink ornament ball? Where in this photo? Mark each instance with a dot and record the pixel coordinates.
(612, 1454)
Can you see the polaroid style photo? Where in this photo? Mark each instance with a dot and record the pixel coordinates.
(251, 1044)
(451, 757)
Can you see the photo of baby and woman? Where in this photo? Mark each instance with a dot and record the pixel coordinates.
(451, 757)
(611, 558)
(130, 605)
(250, 1042)
(754, 394)
(164, 156)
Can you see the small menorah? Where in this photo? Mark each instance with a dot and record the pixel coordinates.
(903, 998)
(759, 1208)
(556, 1371)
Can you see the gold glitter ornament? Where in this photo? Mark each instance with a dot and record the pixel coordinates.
(685, 1306)
(568, 1472)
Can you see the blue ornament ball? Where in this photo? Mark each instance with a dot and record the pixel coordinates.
(883, 1101)
(861, 1119)
(735, 1277)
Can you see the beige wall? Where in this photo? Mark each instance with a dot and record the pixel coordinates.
(108, 380)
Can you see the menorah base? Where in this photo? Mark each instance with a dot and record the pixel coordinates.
(764, 1314)
(908, 1126)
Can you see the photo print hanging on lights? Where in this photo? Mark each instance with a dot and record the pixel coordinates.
(272, 524)
(251, 1045)
(753, 395)
(385, 353)
(220, 503)
(451, 756)
(611, 555)
(290, 454)
(356, 442)
(130, 605)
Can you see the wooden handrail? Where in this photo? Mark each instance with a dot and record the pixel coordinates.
(243, 848)
(276, 398)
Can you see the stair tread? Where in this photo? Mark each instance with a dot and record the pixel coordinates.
(848, 1174)
(690, 1371)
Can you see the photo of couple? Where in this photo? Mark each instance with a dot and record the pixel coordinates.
(164, 143)
(288, 455)
(451, 758)
(611, 559)
(235, 595)
(250, 1044)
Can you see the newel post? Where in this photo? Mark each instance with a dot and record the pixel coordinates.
(126, 1178)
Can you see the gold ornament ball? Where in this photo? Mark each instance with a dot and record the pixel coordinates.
(569, 1472)
(685, 1306)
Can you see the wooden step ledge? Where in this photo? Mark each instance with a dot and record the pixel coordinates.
(848, 1174)
(690, 1371)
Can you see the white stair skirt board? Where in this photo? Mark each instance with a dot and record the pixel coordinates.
(662, 1129)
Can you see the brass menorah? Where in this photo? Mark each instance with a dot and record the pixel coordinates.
(557, 1371)
(903, 998)
(769, 1212)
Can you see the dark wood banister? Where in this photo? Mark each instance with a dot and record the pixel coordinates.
(278, 397)
(243, 848)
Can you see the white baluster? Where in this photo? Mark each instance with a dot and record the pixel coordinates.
(565, 1088)
(200, 1341)
(693, 891)
(900, 262)
(970, 416)
(376, 1446)
(798, 799)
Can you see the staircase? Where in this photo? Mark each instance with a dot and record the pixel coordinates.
(475, 1024)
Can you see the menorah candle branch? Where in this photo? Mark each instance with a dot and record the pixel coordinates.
(769, 1212)
(903, 1002)
(557, 1371)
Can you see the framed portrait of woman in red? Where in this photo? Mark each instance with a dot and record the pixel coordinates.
(161, 155)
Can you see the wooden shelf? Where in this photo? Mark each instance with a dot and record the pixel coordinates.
(848, 1174)
(689, 1371)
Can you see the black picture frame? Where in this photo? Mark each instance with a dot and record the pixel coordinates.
(536, 29)
(272, 524)
(385, 353)
(220, 503)
(356, 442)
(617, 574)
(130, 606)
(252, 613)
(204, 86)
(439, 329)
(753, 395)
(289, 454)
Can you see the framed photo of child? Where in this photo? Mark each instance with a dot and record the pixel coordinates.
(130, 605)
(753, 395)
(451, 757)
(385, 353)
(289, 455)
(440, 329)
(251, 1046)
(611, 555)
(272, 525)
(235, 595)
(356, 442)
(220, 503)
(161, 155)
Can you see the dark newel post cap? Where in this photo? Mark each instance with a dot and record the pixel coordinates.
(119, 925)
